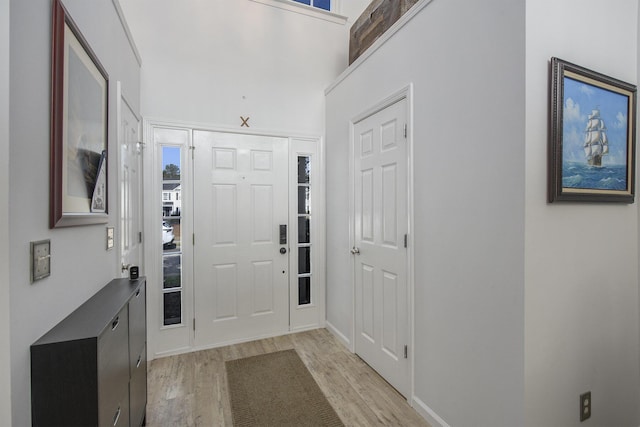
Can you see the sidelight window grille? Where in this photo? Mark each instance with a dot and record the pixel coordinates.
(320, 4)
(304, 230)
(171, 236)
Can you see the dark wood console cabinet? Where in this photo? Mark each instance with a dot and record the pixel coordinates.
(91, 368)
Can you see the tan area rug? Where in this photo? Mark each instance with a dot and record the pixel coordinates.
(276, 389)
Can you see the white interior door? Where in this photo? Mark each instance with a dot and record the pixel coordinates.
(380, 255)
(241, 276)
(130, 172)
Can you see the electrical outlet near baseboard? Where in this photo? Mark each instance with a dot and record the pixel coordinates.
(585, 406)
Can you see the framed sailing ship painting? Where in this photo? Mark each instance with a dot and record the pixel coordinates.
(79, 115)
(592, 136)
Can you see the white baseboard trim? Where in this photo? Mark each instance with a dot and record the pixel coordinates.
(428, 413)
(306, 328)
(339, 335)
(168, 353)
(183, 350)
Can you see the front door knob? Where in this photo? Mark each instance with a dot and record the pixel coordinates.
(283, 251)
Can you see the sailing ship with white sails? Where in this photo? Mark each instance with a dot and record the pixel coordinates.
(596, 144)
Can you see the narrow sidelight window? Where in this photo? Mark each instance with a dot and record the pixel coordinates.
(305, 268)
(171, 236)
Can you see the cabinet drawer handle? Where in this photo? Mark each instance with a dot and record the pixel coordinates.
(139, 361)
(116, 417)
(115, 323)
(137, 293)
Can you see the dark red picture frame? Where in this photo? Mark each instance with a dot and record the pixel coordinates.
(572, 180)
(90, 175)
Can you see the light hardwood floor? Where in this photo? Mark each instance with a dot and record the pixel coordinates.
(191, 389)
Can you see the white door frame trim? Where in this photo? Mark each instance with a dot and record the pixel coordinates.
(150, 198)
(182, 124)
(407, 94)
(122, 98)
(152, 254)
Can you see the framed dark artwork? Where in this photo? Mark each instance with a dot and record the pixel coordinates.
(592, 136)
(79, 117)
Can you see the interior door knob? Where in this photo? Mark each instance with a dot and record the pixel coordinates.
(355, 251)
(283, 251)
(125, 267)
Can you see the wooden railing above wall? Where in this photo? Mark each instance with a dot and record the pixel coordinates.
(377, 18)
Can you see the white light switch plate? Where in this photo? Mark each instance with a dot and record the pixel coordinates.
(110, 234)
(40, 259)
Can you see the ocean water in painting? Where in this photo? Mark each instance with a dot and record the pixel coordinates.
(606, 177)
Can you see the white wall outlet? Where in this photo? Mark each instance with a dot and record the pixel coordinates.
(585, 406)
(40, 259)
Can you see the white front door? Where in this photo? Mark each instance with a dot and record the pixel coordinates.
(241, 201)
(380, 255)
(130, 172)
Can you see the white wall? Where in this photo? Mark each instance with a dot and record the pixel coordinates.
(581, 259)
(352, 9)
(80, 263)
(213, 62)
(5, 367)
(466, 61)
